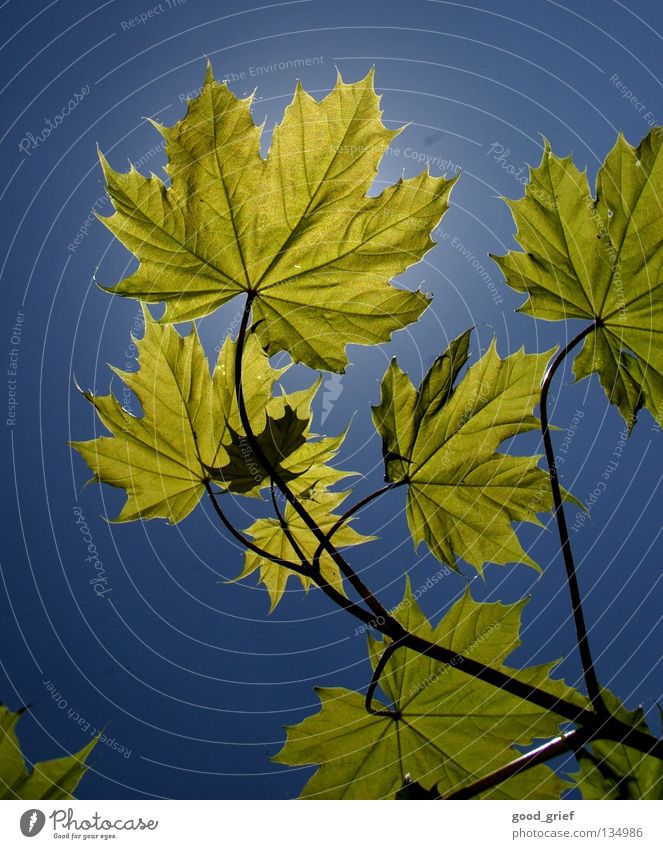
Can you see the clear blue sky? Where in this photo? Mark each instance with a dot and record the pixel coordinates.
(187, 671)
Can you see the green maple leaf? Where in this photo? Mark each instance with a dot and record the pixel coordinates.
(610, 770)
(602, 260)
(280, 438)
(449, 728)
(441, 440)
(296, 230)
(411, 790)
(296, 454)
(190, 431)
(269, 535)
(54, 779)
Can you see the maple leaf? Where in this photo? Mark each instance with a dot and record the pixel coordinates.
(292, 451)
(54, 779)
(447, 728)
(602, 260)
(280, 438)
(270, 536)
(296, 230)
(610, 770)
(442, 441)
(190, 431)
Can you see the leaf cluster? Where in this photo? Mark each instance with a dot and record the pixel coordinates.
(312, 250)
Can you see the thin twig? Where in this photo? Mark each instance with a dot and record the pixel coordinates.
(244, 540)
(289, 535)
(357, 611)
(589, 672)
(350, 512)
(573, 740)
(337, 597)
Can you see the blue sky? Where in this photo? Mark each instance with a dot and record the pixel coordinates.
(191, 678)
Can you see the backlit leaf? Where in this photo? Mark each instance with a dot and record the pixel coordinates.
(610, 770)
(54, 779)
(190, 432)
(442, 439)
(268, 535)
(296, 229)
(601, 260)
(450, 728)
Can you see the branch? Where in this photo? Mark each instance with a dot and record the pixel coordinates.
(338, 559)
(337, 597)
(589, 672)
(390, 627)
(289, 535)
(571, 741)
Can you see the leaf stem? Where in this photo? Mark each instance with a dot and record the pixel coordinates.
(244, 540)
(591, 680)
(389, 649)
(288, 533)
(350, 512)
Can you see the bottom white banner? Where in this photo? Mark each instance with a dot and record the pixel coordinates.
(201, 824)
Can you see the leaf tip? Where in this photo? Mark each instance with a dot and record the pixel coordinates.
(79, 388)
(105, 164)
(546, 144)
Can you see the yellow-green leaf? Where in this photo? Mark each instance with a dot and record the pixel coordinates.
(448, 729)
(298, 456)
(55, 779)
(442, 440)
(190, 431)
(296, 230)
(602, 260)
(270, 536)
(610, 770)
